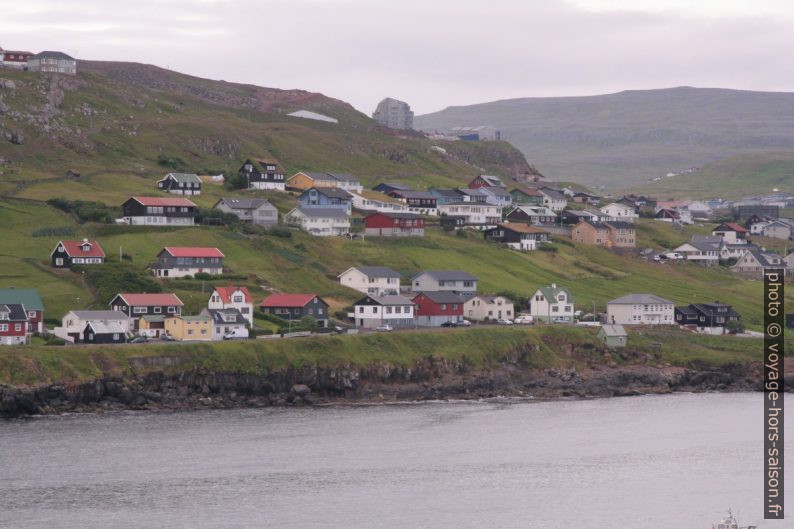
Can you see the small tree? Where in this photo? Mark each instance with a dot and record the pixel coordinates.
(734, 326)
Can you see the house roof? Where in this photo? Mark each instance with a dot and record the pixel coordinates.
(415, 194)
(396, 186)
(339, 177)
(163, 201)
(640, 299)
(243, 203)
(441, 296)
(764, 258)
(374, 271)
(493, 181)
(712, 309)
(151, 300)
(394, 215)
(183, 177)
(16, 311)
(490, 300)
(52, 55)
(447, 275)
(552, 194)
(376, 195)
(613, 330)
(75, 248)
(533, 211)
(520, 227)
(192, 251)
(99, 314)
(389, 299)
(477, 192)
(226, 293)
(287, 300)
(451, 193)
(110, 327)
(706, 239)
(528, 191)
(551, 292)
(221, 315)
(731, 226)
(29, 297)
(624, 206)
(322, 213)
(330, 192)
(495, 191)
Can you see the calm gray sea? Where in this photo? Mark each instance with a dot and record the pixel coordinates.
(656, 462)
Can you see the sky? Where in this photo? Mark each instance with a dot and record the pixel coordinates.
(429, 53)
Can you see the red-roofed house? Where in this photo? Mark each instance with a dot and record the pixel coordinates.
(15, 59)
(731, 233)
(68, 253)
(160, 211)
(233, 297)
(153, 306)
(182, 261)
(293, 307)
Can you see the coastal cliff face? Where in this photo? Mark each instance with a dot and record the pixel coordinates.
(428, 379)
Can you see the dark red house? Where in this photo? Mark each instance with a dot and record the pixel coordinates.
(485, 180)
(394, 225)
(13, 324)
(435, 308)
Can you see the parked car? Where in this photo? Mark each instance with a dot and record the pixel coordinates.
(384, 328)
(524, 319)
(236, 334)
(464, 323)
(502, 321)
(660, 257)
(449, 324)
(167, 337)
(139, 339)
(675, 256)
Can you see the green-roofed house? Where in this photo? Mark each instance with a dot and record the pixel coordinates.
(31, 300)
(552, 304)
(612, 335)
(180, 184)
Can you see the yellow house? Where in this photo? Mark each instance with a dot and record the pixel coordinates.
(304, 181)
(189, 327)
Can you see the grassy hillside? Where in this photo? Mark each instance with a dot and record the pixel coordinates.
(479, 348)
(626, 138)
(122, 126)
(304, 263)
(734, 177)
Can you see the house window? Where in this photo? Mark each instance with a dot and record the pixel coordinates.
(115, 337)
(18, 327)
(158, 310)
(171, 310)
(139, 310)
(3, 327)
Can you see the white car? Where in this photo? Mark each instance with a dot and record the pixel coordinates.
(384, 328)
(674, 256)
(502, 321)
(524, 319)
(236, 334)
(464, 323)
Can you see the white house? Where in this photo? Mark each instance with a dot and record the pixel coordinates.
(620, 212)
(480, 308)
(476, 214)
(456, 281)
(552, 304)
(74, 323)
(374, 311)
(371, 280)
(707, 253)
(374, 201)
(180, 184)
(233, 297)
(553, 199)
(641, 309)
(320, 221)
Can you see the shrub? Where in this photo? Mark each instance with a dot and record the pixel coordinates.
(109, 279)
(171, 162)
(734, 326)
(203, 276)
(215, 217)
(548, 247)
(279, 231)
(272, 318)
(60, 231)
(236, 181)
(85, 211)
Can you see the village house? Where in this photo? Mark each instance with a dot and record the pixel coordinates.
(476, 214)
(388, 187)
(16, 59)
(731, 232)
(421, 202)
(778, 229)
(612, 335)
(667, 215)
(13, 324)
(527, 196)
(30, 299)
(451, 222)
(225, 322)
(755, 224)
(497, 196)
(735, 251)
(184, 261)
(321, 222)
(485, 308)
(156, 306)
(188, 328)
(581, 197)
(372, 201)
(574, 216)
(254, 210)
(180, 184)
(702, 251)
(640, 309)
(448, 196)
(52, 62)
(709, 318)
(374, 311)
(159, 211)
(69, 253)
(94, 326)
(536, 215)
(552, 304)
(302, 181)
(394, 225)
(433, 309)
(371, 280)
(477, 195)
(484, 180)
(619, 212)
(788, 263)
(327, 197)
(456, 281)
(553, 199)
(233, 297)
(752, 263)
(517, 235)
(263, 174)
(294, 307)
(612, 234)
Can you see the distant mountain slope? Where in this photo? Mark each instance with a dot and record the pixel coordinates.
(626, 138)
(731, 178)
(116, 123)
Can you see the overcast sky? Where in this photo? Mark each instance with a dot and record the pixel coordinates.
(430, 53)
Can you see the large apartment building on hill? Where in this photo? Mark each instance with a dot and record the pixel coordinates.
(394, 114)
